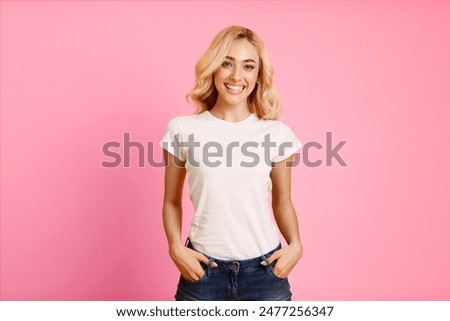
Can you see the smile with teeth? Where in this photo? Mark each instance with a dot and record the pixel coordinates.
(235, 89)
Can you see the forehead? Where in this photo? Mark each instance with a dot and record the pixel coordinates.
(242, 49)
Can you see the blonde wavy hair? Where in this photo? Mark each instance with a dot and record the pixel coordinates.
(263, 101)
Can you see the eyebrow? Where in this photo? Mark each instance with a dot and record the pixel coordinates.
(246, 60)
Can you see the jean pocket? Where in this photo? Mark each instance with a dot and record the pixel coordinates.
(205, 273)
(272, 272)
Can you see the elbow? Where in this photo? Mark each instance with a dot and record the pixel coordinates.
(282, 204)
(171, 207)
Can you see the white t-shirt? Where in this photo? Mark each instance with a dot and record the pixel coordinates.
(230, 190)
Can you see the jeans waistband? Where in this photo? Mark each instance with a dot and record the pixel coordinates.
(242, 263)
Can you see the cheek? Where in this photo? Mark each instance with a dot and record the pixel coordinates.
(220, 75)
(254, 76)
(217, 80)
(252, 82)
(252, 79)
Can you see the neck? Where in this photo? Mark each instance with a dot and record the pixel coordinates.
(231, 113)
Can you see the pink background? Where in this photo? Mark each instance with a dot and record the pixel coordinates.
(75, 75)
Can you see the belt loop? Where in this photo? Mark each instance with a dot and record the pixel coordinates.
(211, 261)
(187, 242)
(268, 266)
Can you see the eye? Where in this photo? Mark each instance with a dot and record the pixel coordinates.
(226, 64)
(249, 67)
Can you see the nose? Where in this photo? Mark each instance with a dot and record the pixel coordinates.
(235, 74)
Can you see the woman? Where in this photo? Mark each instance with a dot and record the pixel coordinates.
(235, 153)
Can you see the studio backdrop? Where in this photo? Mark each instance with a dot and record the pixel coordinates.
(87, 88)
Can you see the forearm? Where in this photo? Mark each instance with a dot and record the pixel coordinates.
(172, 220)
(186, 260)
(287, 222)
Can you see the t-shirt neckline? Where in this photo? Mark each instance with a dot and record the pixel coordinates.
(245, 120)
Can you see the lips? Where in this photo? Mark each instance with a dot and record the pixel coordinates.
(234, 88)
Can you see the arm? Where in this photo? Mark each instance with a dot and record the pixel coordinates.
(286, 218)
(186, 260)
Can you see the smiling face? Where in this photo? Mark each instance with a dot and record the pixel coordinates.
(236, 77)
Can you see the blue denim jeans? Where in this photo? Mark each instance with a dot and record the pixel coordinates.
(245, 280)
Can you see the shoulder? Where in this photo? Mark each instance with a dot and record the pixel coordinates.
(281, 131)
(275, 126)
(184, 121)
(188, 119)
(280, 125)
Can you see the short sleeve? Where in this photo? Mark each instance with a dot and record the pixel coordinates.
(287, 143)
(172, 140)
